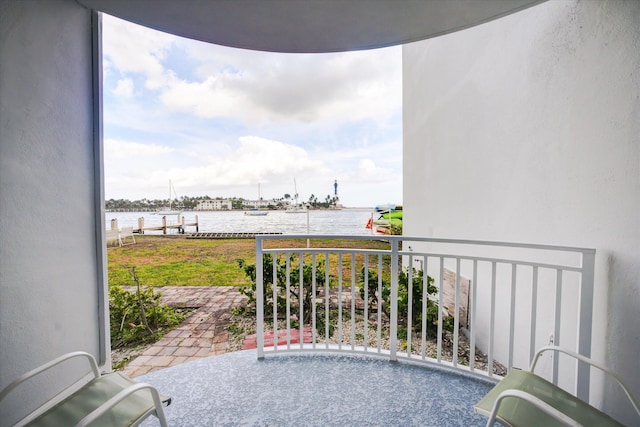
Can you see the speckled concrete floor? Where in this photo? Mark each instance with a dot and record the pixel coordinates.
(237, 389)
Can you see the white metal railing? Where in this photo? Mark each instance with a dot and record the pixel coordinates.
(505, 299)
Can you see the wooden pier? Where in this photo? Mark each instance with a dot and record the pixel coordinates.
(165, 225)
(226, 235)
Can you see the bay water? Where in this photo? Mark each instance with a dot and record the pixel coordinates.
(343, 222)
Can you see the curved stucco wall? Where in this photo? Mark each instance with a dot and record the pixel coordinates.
(527, 129)
(49, 261)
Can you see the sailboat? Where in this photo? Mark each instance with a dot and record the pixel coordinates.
(255, 211)
(296, 207)
(170, 210)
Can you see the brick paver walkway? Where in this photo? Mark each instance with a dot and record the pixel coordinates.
(203, 334)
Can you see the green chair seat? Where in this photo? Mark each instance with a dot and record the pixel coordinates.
(520, 413)
(128, 412)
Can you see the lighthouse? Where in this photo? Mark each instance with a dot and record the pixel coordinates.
(335, 188)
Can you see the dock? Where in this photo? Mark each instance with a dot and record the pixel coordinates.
(226, 235)
(164, 226)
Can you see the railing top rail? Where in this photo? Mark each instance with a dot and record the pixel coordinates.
(419, 254)
(493, 259)
(332, 250)
(429, 240)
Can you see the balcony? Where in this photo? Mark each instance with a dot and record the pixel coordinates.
(455, 315)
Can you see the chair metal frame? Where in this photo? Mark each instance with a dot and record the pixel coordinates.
(104, 407)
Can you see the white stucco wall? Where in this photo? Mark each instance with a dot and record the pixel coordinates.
(527, 129)
(49, 259)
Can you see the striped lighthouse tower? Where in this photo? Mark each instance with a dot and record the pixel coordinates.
(336, 198)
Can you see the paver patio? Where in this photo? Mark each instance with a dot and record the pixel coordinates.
(203, 334)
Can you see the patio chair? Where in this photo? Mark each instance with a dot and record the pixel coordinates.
(523, 399)
(127, 233)
(105, 400)
(113, 237)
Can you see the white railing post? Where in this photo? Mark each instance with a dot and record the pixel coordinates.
(585, 322)
(259, 299)
(393, 301)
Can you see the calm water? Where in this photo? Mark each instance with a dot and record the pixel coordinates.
(346, 221)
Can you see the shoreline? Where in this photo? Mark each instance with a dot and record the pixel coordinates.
(153, 212)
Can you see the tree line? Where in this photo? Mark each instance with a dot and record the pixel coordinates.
(190, 203)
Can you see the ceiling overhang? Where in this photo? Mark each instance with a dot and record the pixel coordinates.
(309, 26)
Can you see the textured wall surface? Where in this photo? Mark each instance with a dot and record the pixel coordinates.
(48, 259)
(527, 129)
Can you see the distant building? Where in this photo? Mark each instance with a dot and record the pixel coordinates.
(262, 203)
(214, 205)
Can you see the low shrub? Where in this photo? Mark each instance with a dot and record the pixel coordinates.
(296, 294)
(139, 317)
(403, 301)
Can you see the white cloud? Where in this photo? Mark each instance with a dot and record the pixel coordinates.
(132, 48)
(119, 149)
(124, 88)
(339, 87)
(255, 160)
(128, 167)
(258, 86)
(209, 98)
(367, 169)
(145, 169)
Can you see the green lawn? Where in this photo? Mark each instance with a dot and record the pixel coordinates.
(177, 261)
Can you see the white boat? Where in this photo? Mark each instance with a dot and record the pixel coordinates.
(170, 210)
(296, 207)
(255, 211)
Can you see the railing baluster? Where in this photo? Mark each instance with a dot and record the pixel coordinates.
(492, 322)
(409, 304)
(534, 312)
(393, 333)
(556, 322)
(340, 300)
(440, 305)
(585, 319)
(275, 301)
(301, 300)
(425, 296)
(366, 302)
(326, 301)
(512, 314)
(379, 302)
(456, 317)
(353, 301)
(472, 316)
(314, 284)
(287, 263)
(259, 300)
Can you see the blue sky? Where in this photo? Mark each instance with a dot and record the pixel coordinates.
(218, 121)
